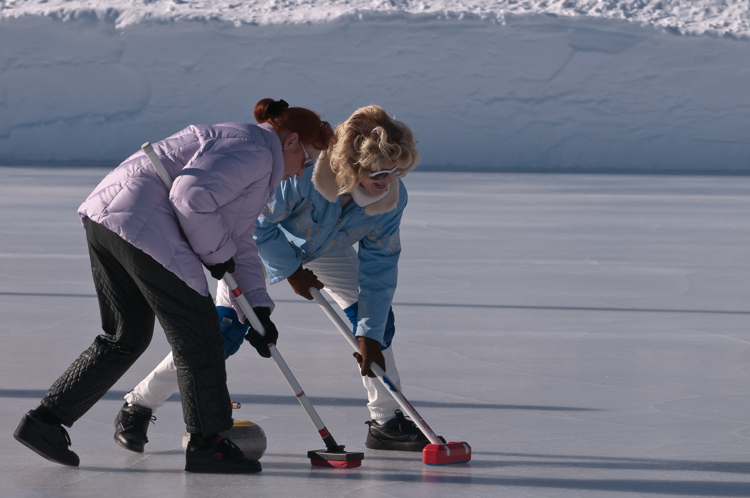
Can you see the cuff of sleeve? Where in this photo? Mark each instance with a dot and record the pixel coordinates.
(370, 334)
(222, 255)
(255, 298)
(276, 275)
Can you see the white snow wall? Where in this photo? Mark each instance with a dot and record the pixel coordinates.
(538, 93)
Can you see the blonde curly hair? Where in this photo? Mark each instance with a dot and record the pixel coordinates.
(365, 141)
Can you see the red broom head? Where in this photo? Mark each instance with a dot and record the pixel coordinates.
(336, 459)
(337, 464)
(446, 453)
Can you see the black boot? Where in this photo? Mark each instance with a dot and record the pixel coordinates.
(222, 456)
(400, 434)
(131, 426)
(48, 440)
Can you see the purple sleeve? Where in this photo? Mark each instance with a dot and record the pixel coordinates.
(250, 275)
(219, 173)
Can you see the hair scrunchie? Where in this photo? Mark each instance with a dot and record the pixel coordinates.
(276, 108)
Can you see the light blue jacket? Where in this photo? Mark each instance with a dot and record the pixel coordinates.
(304, 220)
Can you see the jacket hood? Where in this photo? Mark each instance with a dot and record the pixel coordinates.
(324, 181)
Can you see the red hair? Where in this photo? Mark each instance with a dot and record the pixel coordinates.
(306, 123)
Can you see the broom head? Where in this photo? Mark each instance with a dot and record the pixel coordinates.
(446, 453)
(336, 459)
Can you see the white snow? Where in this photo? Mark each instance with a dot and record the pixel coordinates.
(686, 16)
(504, 85)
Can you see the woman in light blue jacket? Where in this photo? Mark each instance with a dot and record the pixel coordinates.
(307, 233)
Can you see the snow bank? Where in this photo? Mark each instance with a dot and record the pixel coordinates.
(483, 87)
(723, 17)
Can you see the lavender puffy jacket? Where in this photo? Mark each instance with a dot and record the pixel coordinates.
(223, 177)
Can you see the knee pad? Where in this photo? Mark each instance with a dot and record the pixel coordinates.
(232, 330)
(390, 329)
(351, 314)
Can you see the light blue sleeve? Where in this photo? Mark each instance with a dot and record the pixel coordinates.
(378, 274)
(280, 257)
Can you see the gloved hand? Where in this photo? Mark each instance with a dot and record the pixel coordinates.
(218, 270)
(259, 342)
(301, 281)
(369, 352)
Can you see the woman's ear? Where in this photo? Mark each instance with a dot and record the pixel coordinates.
(290, 139)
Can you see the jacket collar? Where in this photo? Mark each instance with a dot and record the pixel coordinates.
(324, 181)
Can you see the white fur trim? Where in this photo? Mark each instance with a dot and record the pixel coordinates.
(364, 198)
(324, 180)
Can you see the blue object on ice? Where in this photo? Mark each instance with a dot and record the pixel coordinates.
(232, 330)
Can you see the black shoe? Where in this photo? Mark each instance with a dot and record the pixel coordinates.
(48, 440)
(222, 457)
(131, 425)
(400, 434)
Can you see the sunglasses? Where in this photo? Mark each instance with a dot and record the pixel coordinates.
(380, 175)
(309, 161)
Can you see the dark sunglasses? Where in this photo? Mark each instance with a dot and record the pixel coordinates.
(309, 161)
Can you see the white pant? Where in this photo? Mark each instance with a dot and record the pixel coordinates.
(339, 272)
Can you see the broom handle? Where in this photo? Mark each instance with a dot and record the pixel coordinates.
(395, 392)
(283, 367)
(250, 315)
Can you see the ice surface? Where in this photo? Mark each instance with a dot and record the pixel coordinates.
(528, 85)
(587, 335)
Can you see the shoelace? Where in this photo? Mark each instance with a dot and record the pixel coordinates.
(407, 425)
(130, 419)
(65, 436)
(231, 448)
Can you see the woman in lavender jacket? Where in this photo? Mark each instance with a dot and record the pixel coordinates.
(148, 247)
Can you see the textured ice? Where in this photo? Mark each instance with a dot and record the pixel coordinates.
(587, 335)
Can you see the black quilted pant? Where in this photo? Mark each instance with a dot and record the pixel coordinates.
(133, 288)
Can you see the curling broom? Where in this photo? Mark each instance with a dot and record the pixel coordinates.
(435, 453)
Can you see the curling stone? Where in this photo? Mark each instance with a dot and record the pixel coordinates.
(248, 436)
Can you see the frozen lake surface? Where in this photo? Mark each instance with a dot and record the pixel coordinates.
(587, 335)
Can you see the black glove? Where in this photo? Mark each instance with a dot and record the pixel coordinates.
(301, 281)
(259, 342)
(218, 270)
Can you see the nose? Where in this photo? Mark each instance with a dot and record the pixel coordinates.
(388, 179)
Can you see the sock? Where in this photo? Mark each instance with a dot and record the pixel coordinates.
(383, 420)
(47, 416)
(202, 442)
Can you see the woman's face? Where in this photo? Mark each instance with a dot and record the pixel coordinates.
(297, 156)
(377, 187)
